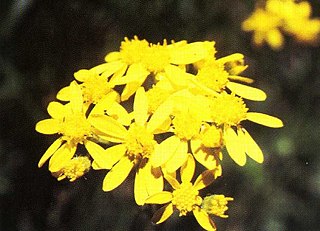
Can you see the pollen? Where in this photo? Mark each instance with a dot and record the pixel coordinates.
(216, 205)
(139, 142)
(228, 109)
(75, 128)
(75, 168)
(186, 198)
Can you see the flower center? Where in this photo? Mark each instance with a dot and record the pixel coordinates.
(228, 109)
(156, 58)
(213, 76)
(211, 137)
(140, 142)
(186, 126)
(75, 128)
(133, 51)
(95, 88)
(186, 198)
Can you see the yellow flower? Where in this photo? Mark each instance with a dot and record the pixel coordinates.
(216, 205)
(213, 77)
(74, 168)
(185, 196)
(94, 87)
(138, 59)
(188, 113)
(75, 128)
(135, 146)
(265, 27)
(228, 111)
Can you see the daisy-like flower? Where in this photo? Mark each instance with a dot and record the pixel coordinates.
(75, 128)
(185, 197)
(189, 112)
(215, 76)
(265, 27)
(94, 87)
(137, 59)
(228, 111)
(135, 146)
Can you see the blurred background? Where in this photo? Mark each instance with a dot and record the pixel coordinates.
(42, 43)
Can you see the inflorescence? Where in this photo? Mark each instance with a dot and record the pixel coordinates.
(187, 108)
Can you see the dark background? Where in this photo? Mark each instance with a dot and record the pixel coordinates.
(42, 43)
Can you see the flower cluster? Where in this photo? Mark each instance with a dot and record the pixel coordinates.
(157, 110)
(282, 16)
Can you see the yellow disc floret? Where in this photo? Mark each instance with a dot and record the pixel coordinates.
(75, 128)
(186, 126)
(156, 58)
(186, 198)
(139, 142)
(132, 51)
(213, 76)
(228, 109)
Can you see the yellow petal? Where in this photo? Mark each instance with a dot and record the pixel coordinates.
(96, 152)
(82, 75)
(109, 126)
(172, 181)
(241, 78)
(112, 56)
(110, 156)
(64, 94)
(129, 90)
(159, 198)
(205, 179)
(140, 107)
(252, 148)
(178, 77)
(117, 174)
(234, 146)
(205, 156)
(247, 92)
(178, 158)
(164, 151)
(140, 189)
(264, 119)
(50, 151)
(160, 116)
(134, 78)
(76, 100)
(275, 39)
(187, 169)
(48, 126)
(105, 103)
(204, 220)
(107, 69)
(61, 157)
(191, 53)
(162, 214)
(56, 110)
(153, 178)
(119, 113)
